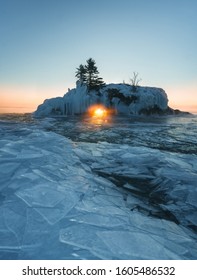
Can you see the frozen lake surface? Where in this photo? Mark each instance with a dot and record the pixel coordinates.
(77, 188)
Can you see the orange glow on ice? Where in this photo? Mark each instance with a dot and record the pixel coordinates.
(98, 111)
(99, 114)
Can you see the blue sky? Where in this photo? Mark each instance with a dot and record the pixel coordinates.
(43, 41)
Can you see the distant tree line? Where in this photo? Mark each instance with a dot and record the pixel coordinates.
(88, 75)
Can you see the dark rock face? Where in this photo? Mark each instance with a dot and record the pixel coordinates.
(152, 111)
(127, 100)
(158, 111)
(171, 111)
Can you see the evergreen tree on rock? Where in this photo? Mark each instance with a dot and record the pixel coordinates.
(81, 74)
(93, 80)
(88, 75)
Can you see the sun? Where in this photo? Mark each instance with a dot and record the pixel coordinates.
(99, 115)
(99, 112)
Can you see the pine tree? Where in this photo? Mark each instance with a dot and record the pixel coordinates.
(92, 72)
(97, 83)
(93, 80)
(88, 74)
(81, 73)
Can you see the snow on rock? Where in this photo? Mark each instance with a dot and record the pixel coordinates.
(121, 97)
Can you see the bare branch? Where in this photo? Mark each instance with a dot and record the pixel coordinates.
(135, 81)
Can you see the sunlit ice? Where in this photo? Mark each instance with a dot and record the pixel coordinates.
(98, 114)
(97, 111)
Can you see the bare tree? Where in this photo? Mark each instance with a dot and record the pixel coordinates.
(135, 81)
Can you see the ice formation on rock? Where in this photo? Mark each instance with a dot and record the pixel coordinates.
(120, 97)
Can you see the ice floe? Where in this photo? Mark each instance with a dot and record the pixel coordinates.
(66, 200)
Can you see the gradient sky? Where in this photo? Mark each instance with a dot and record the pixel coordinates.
(42, 42)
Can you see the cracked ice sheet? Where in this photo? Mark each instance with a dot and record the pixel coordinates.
(94, 201)
(174, 175)
(55, 214)
(11, 226)
(40, 195)
(100, 220)
(121, 244)
(48, 188)
(134, 245)
(169, 240)
(84, 237)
